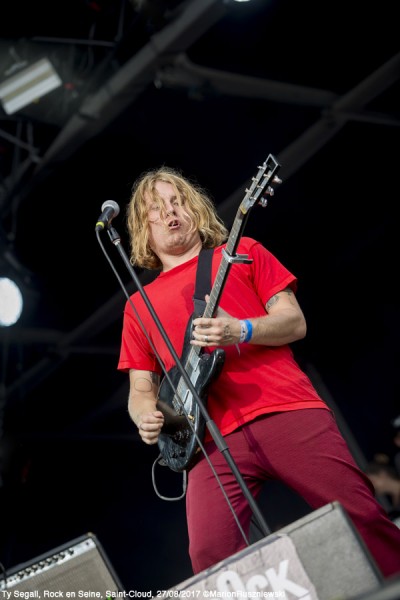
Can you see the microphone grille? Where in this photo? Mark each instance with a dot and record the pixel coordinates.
(111, 204)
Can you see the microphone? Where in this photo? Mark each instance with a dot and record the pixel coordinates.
(110, 209)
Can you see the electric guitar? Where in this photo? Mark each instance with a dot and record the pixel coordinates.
(185, 423)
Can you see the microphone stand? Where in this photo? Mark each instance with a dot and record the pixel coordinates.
(211, 426)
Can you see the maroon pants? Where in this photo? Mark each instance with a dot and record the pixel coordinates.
(305, 450)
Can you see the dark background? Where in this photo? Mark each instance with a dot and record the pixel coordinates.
(211, 88)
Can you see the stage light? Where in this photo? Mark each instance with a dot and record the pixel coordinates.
(28, 85)
(11, 302)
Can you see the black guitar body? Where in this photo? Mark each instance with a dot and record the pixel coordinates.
(177, 443)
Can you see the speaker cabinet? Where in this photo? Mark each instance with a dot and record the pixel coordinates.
(390, 590)
(318, 557)
(78, 569)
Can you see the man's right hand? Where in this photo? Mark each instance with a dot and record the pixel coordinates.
(149, 426)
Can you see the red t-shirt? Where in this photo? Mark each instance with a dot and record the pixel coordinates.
(255, 379)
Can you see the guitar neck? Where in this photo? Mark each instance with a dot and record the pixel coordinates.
(265, 175)
(224, 268)
(219, 283)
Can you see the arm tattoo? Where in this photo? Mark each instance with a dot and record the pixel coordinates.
(143, 384)
(289, 292)
(274, 299)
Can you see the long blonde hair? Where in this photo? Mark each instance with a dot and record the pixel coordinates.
(198, 205)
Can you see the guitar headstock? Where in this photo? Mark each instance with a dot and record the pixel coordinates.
(262, 184)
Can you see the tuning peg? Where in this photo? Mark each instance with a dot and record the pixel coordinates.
(269, 191)
(276, 180)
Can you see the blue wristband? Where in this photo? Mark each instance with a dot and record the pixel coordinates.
(249, 331)
(243, 332)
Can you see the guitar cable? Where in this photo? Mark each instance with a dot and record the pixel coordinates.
(116, 240)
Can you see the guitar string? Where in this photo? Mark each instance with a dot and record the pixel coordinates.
(175, 390)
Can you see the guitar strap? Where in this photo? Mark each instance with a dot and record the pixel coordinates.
(203, 287)
(203, 280)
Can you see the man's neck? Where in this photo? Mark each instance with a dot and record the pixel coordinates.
(170, 261)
